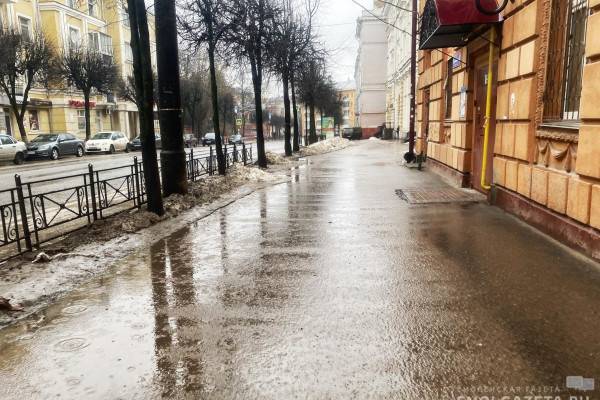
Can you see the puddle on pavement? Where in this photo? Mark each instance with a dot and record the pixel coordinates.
(322, 288)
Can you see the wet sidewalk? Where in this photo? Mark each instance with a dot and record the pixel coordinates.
(327, 287)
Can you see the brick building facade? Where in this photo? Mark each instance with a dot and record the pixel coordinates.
(544, 134)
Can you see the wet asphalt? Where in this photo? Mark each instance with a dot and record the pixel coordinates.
(326, 287)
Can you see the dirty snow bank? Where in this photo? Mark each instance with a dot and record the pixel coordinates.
(201, 192)
(325, 146)
(274, 158)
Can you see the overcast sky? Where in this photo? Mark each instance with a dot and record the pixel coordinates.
(337, 27)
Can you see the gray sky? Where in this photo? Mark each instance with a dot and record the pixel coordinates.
(336, 22)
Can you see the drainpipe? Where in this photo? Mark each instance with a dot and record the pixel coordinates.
(488, 111)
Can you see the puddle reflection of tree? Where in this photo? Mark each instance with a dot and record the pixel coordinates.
(178, 361)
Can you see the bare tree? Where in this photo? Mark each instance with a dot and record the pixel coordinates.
(25, 61)
(126, 89)
(205, 24)
(292, 35)
(310, 78)
(254, 20)
(144, 89)
(87, 70)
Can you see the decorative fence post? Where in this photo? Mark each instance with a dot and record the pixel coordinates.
(226, 158)
(210, 162)
(192, 172)
(235, 154)
(138, 192)
(244, 158)
(23, 211)
(93, 191)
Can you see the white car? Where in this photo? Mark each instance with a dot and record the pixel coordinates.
(12, 150)
(107, 142)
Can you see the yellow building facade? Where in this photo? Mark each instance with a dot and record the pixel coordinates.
(103, 25)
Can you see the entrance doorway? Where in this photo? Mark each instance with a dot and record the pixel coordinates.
(479, 120)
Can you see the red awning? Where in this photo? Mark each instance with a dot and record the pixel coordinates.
(448, 23)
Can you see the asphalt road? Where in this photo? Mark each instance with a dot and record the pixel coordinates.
(70, 165)
(327, 287)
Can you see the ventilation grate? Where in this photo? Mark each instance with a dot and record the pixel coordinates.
(446, 195)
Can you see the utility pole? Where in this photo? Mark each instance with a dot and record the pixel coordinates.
(410, 155)
(172, 155)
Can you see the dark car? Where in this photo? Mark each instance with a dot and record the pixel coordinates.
(190, 140)
(208, 139)
(352, 133)
(55, 145)
(236, 139)
(136, 144)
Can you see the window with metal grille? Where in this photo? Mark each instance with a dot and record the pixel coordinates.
(448, 90)
(566, 58)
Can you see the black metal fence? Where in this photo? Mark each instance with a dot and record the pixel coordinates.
(36, 212)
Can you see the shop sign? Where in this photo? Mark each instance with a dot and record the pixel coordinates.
(80, 103)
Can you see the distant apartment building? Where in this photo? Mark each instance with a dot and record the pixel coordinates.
(398, 65)
(370, 70)
(347, 96)
(102, 25)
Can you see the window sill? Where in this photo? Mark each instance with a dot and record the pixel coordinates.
(569, 125)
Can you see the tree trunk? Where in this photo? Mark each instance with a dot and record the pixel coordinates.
(172, 155)
(312, 137)
(221, 165)
(142, 68)
(296, 141)
(287, 114)
(306, 143)
(86, 103)
(260, 138)
(21, 126)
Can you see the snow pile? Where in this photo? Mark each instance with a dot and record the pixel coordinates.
(274, 158)
(201, 192)
(325, 146)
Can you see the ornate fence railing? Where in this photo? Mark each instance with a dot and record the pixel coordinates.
(35, 212)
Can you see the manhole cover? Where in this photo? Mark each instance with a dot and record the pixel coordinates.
(447, 195)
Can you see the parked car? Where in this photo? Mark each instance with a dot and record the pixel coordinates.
(236, 139)
(190, 140)
(12, 150)
(55, 145)
(208, 139)
(107, 142)
(136, 144)
(352, 133)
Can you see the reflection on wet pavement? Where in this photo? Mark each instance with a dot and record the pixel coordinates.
(326, 287)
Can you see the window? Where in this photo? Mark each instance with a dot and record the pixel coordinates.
(93, 8)
(448, 89)
(34, 123)
(25, 27)
(72, 3)
(5, 140)
(128, 54)
(98, 121)
(105, 44)
(73, 36)
(346, 102)
(81, 119)
(125, 18)
(566, 55)
(94, 41)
